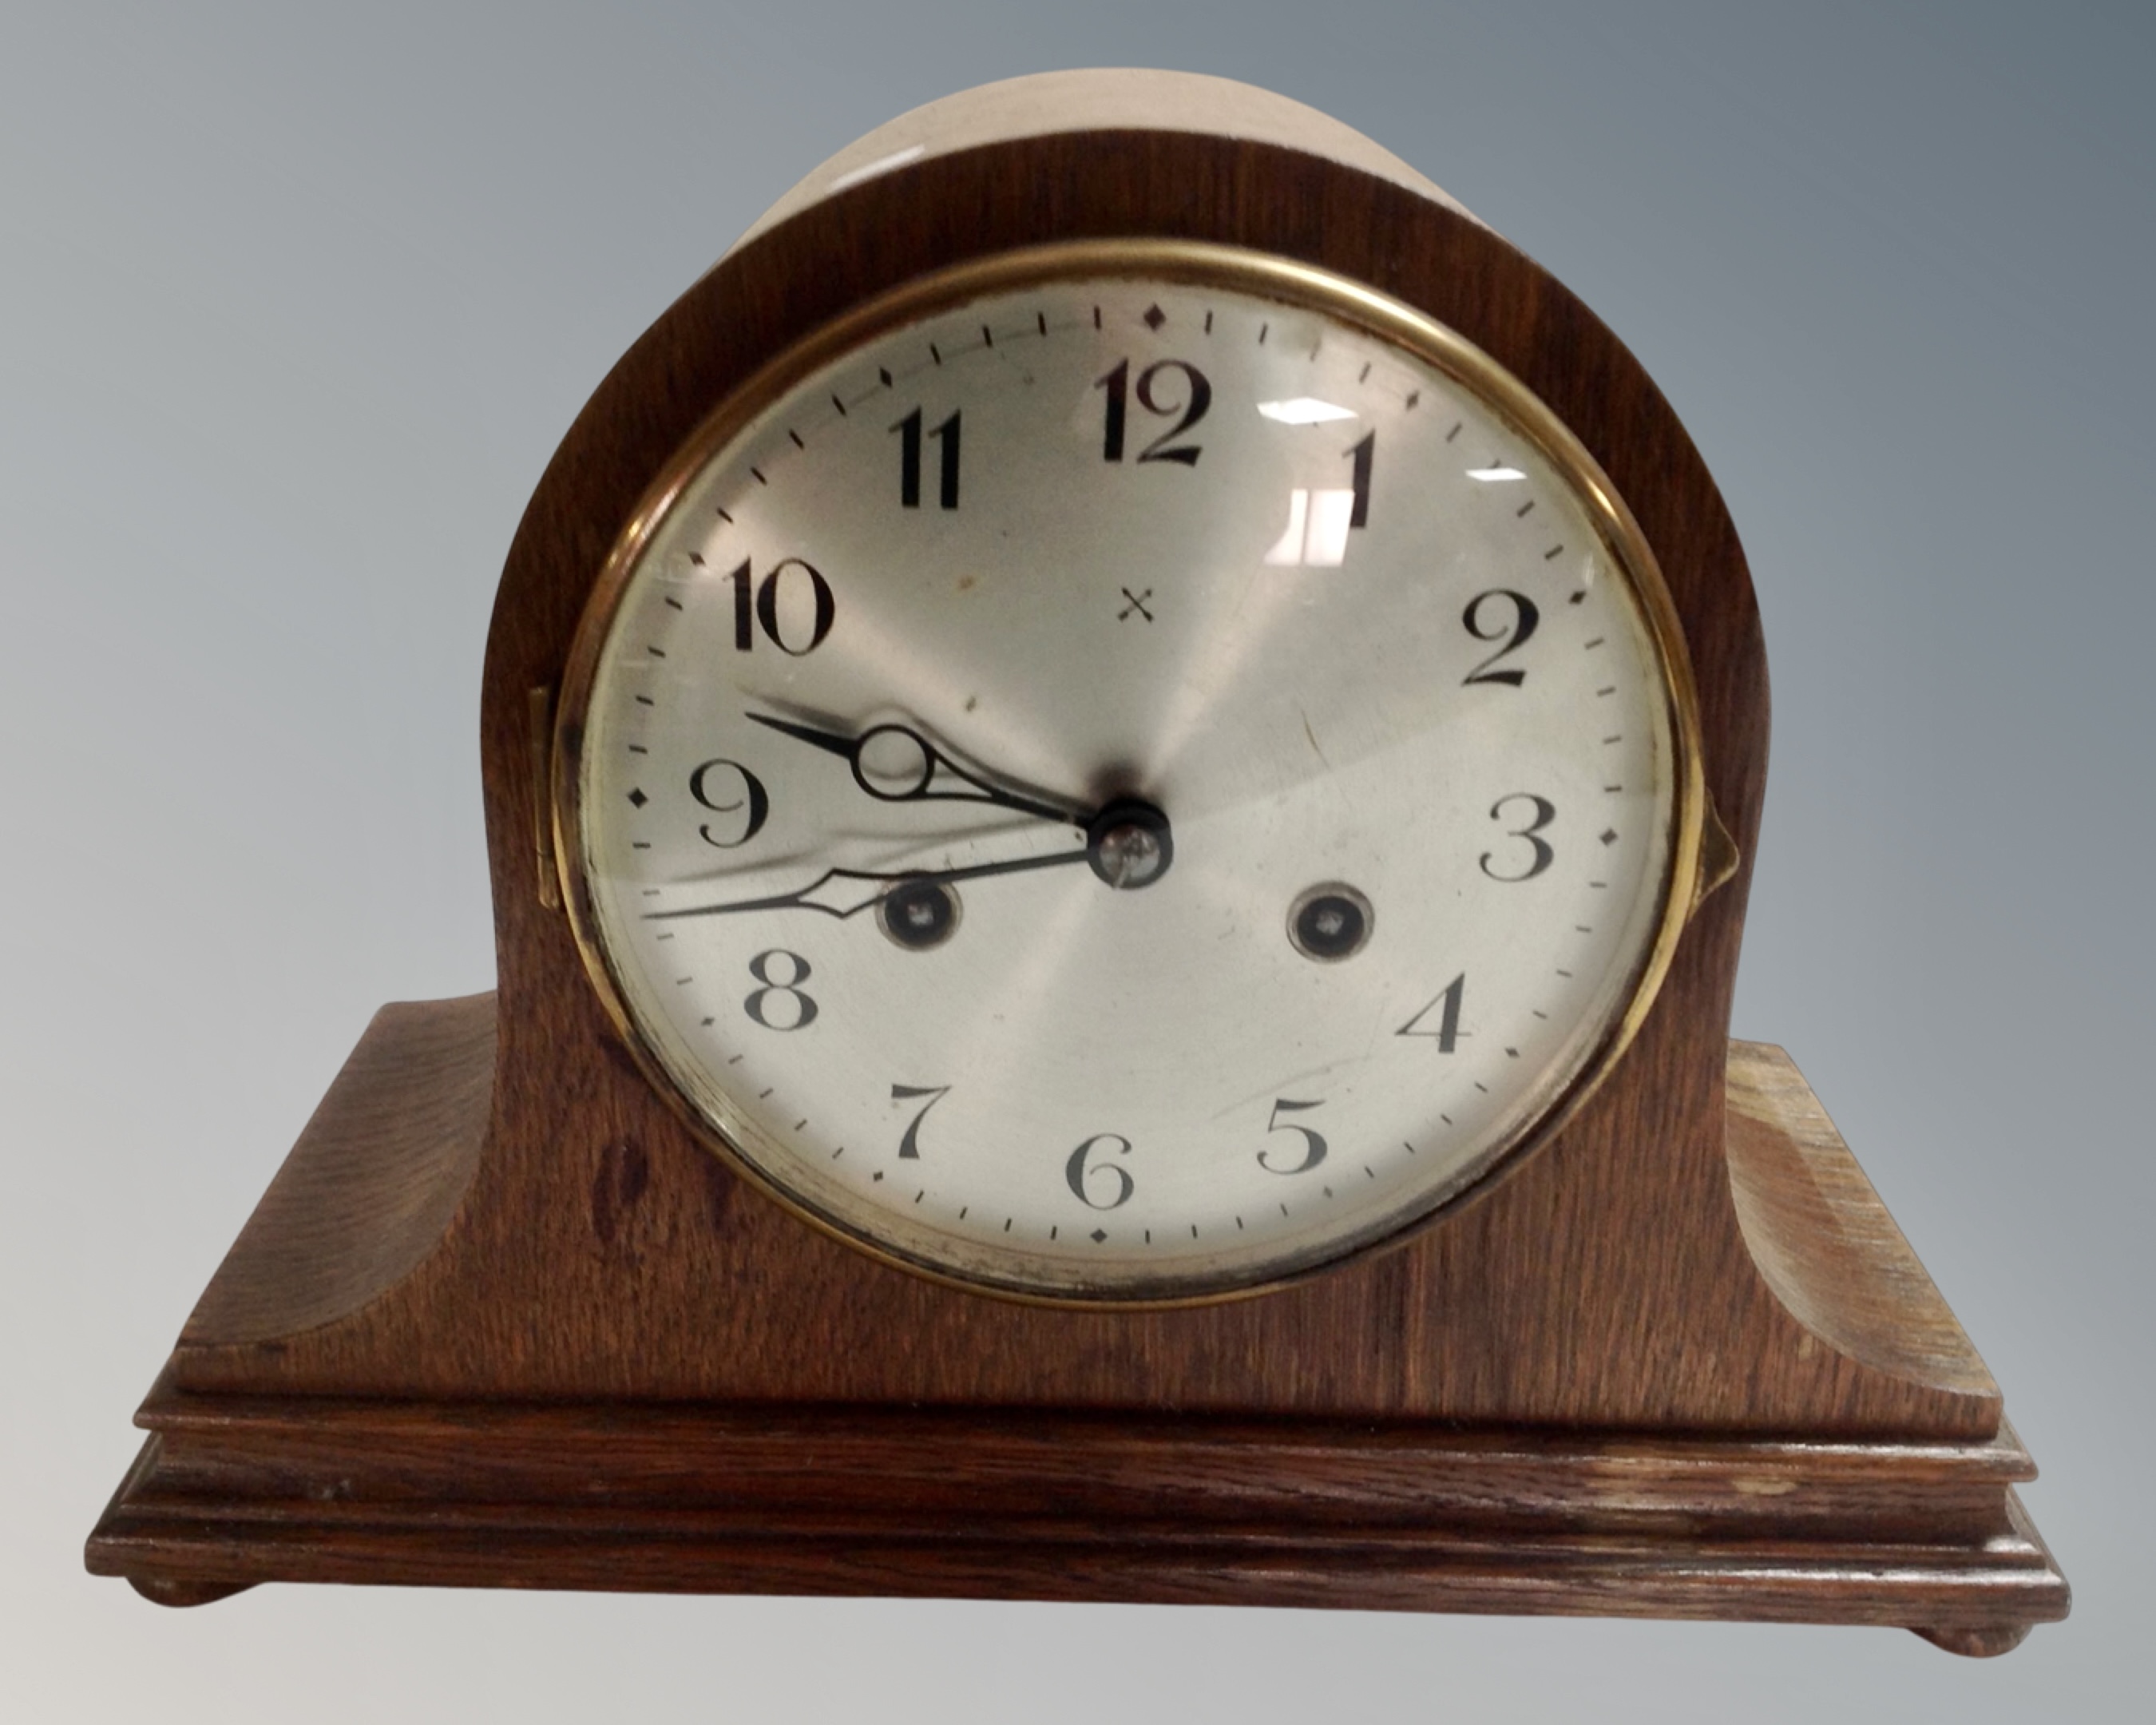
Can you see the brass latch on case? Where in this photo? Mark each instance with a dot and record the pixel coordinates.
(1718, 857)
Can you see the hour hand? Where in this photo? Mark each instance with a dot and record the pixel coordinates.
(895, 763)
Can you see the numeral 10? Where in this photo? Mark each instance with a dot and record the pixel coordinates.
(757, 603)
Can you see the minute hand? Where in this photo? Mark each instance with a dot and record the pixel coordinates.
(928, 764)
(832, 885)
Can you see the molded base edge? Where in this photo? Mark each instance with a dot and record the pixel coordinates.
(232, 1491)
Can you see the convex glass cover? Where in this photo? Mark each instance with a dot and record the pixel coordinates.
(1128, 771)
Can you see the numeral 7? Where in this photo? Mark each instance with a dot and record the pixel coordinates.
(908, 1146)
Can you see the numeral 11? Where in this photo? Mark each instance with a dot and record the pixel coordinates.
(908, 461)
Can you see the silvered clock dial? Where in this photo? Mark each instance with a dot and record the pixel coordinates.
(1128, 771)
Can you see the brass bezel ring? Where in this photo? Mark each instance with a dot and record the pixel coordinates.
(1260, 275)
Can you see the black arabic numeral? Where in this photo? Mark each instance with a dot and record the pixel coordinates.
(1199, 399)
(824, 608)
(1117, 383)
(766, 606)
(753, 797)
(804, 1009)
(1313, 1142)
(1545, 813)
(908, 461)
(908, 1146)
(1363, 455)
(1196, 398)
(744, 609)
(1525, 617)
(946, 491)
(1074, 1171)
(1448, 1031)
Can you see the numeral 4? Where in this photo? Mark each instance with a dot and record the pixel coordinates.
(1448, 1031)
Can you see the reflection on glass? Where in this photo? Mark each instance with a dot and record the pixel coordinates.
(1304, 410)
(1495, 475)
(1317, 535)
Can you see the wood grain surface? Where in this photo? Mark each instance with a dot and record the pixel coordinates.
(232, 1491)
(599, 1250)
(503, 1319)
(243, 1486)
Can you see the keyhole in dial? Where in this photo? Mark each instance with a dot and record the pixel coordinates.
(1331, 922)
(918, 915)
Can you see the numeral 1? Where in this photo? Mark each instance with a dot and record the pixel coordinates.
(1117, 383)
(1362, 455)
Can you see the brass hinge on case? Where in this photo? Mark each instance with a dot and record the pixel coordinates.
(539, 703)
(1718, 857)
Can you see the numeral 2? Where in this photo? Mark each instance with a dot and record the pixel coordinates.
(1525, 617)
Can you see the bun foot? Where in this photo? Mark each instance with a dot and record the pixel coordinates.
(185, 1593)
(1978, 1643)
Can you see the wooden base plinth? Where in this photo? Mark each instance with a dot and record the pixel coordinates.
(232, 1491)
(272, 1457)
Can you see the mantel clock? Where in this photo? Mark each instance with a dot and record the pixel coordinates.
(1121, 760)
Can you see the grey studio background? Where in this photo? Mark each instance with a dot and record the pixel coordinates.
(296, 301)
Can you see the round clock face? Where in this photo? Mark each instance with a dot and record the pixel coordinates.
(1127, 772)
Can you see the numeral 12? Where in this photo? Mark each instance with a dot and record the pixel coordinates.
(1192, 408)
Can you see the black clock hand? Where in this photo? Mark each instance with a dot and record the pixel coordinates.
(1128, 845)
(852, 904)
(932, 761)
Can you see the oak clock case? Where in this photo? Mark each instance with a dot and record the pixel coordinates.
(970, 726)
(1248, 713)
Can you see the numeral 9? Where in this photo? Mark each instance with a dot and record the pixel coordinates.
(753, 797)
